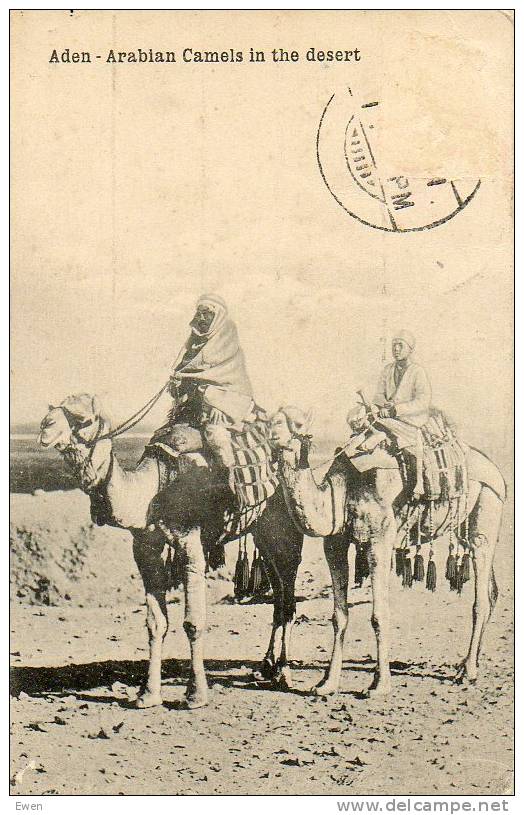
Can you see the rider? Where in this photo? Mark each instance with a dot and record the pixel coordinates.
(403, 398)
(209, 381)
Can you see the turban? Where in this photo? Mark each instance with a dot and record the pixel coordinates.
(219, 307)
(405, 336)
(213, 300)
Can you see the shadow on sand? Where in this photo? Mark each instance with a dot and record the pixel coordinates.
(74, 679)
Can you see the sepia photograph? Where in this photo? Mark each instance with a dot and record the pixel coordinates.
(262, 403)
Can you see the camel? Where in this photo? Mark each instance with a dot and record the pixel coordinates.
(132, 500)
(371, 501)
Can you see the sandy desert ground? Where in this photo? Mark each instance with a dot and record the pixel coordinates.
(78, 650)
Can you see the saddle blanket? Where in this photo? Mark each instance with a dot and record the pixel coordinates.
(444, 470)
(254, 474)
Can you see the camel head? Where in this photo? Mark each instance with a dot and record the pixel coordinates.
(288, 433)
(77, 420)
(317, 509)
(73, 428)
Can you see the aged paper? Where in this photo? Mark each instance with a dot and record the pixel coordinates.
(296, 230)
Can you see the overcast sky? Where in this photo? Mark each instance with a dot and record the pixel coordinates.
(138, 188)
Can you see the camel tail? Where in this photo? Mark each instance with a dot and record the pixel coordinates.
(493, 591)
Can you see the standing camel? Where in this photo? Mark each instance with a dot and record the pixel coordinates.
(194, 507)
(368, 501)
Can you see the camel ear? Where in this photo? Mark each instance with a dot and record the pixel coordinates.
(97, 408)
(99, 412)
(309, 416)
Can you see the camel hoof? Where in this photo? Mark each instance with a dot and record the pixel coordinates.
(465, 674)
(282, 679)
(325, 687)
(147, 699)
(378, 689)
(267, 670)
(194, 700)
(196, 694)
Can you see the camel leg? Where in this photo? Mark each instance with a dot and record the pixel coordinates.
(268, 667)
(379, 557)
(336, 552)
(280, 543)
(283, 675)
(153, 573)
(194, 567)
(484, 531)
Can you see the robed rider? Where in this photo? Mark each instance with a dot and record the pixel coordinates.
(209, 382)
(403, 398)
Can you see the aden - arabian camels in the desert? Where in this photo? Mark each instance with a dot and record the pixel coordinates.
(346, 501)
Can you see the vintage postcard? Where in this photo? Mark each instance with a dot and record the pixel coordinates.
(262, 403)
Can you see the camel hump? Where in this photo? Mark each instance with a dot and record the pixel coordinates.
(482, 470)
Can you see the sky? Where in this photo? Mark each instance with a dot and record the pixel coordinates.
(137, 188)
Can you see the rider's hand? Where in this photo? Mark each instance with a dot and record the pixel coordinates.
(385, 412)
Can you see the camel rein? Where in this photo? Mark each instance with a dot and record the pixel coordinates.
(132, 421)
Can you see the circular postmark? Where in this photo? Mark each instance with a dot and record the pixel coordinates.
(365, 181)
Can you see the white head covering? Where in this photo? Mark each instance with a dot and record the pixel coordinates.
(405, 336)
(220, 309)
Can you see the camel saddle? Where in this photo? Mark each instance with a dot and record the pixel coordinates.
(444, 469)
(180, 446)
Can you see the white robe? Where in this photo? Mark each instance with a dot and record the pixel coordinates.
(412, 398)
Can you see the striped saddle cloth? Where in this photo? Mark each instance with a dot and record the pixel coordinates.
(253, 472)
(445, 473)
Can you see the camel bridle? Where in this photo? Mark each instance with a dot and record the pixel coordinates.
(86, 470)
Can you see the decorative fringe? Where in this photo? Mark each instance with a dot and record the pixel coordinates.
(238, 571)
(450, 565)
(454, 579)
(256, 576)
(244, 575)
(418, 566)
(399, 562)
(241, 579)
(431, 573)
(407, 574)
(465, 567)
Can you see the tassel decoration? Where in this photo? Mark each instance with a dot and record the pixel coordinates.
(418, 566)
(244, 575)
(431, 573)
(407, 574)
(465, 567)
(454, 579)
(238, 569)
(255, 578)
(399, 562)
(450, 564)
